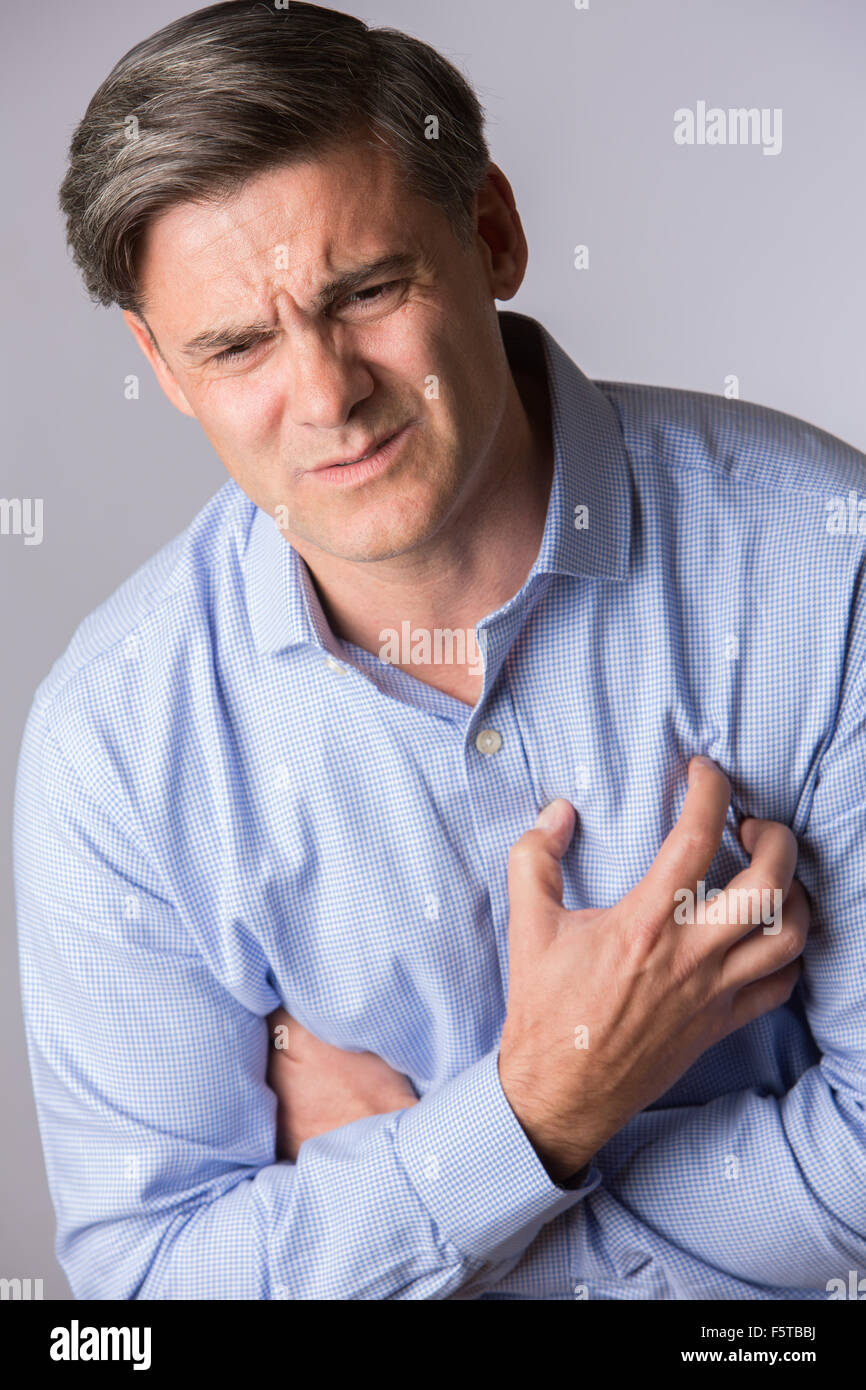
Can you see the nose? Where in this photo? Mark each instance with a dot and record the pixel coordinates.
(326, 379)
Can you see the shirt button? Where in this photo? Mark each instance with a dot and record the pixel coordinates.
(488, 741)
(335, 666)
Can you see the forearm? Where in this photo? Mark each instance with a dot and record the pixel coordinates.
(342, 1225)
(408, 1205)
(768, 1190)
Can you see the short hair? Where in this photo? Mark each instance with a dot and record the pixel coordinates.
(241, 88)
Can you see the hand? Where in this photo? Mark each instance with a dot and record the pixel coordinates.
(320, 1087)
(652, 993)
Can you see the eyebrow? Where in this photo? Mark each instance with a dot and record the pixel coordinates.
(229, 334)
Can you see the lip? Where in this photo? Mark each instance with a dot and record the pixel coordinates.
(368, 448)
(347, 474)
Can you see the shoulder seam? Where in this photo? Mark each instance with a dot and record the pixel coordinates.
(173, 551)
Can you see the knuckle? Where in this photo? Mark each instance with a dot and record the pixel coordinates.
(521, 853)
(789, 942)
(645, 926)
(779, 831)
(761, 885)
(796, 921)
(684, 967)
(696, 842)
(526, 846)
(787, 834)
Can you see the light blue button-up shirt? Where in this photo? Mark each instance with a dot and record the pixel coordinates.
(222, 808)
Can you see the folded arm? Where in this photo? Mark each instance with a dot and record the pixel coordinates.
(158, 1124)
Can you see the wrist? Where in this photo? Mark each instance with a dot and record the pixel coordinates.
(563, 1161)
(577, 1179)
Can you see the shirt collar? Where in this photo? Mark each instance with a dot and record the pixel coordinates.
(591, 470)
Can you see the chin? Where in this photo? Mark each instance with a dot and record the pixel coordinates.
(388, 530)
(379, 549)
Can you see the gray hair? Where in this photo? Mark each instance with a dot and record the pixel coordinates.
(240, 88)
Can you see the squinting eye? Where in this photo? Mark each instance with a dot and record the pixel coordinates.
(360, 297)
(377, 291)
(239, 351)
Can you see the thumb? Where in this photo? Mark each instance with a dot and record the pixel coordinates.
(534, 869)
(557, 819)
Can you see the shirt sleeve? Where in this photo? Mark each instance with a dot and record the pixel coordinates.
(159, 1129)
(770, 1187)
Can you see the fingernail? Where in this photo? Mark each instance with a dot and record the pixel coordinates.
(549, 817)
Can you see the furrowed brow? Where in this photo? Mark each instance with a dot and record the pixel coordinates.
(398, 264)
(231, 334)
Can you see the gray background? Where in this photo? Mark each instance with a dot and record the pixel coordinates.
(704, 261)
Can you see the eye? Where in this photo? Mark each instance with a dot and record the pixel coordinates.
(239, 350)
(376, 292)
(371, 295)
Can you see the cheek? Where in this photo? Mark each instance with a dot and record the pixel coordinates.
(243, 421)
(411, 354)
(449, 375)
(255, 407)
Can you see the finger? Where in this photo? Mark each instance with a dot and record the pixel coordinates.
(756, 893)
(763, 996)
(278, 1029)
(689, 849)
(535, 877)
(772, 847)
(766, 950)
(753, 897)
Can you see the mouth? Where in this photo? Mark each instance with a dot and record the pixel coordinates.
(346, 463)
(368, 465)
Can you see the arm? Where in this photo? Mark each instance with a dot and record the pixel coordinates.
(794, 1213)
(320, 1087)
(157, 1122)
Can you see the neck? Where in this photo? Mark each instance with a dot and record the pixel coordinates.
(463, 575)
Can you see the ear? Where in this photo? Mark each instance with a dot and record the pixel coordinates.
(503, 241)
(163, 372)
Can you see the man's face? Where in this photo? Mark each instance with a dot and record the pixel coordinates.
(414, 348)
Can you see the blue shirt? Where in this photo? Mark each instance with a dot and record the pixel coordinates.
(222, 808)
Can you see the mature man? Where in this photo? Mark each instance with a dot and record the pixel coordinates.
(241, 798)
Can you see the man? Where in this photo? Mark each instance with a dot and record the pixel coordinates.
(250, 789)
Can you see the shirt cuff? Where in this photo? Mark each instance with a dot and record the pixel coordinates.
(474, 1168)
(578, 1179)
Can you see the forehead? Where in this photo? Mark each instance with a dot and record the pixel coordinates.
(298, 221)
